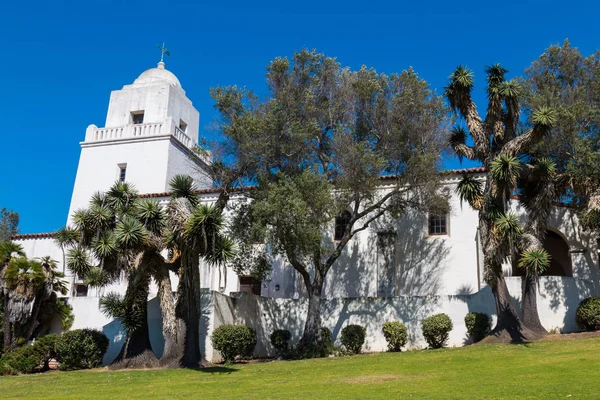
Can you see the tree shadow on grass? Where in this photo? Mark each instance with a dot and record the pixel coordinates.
(220, 370)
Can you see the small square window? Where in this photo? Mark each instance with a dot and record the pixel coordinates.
(122, 172)
(182, 126)
(438, 224)
(81, 290)
(137, 117)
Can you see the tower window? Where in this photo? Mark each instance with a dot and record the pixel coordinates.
(438, 224)
(341, 223)
(122, 172)
(182, 125)
(137, 117)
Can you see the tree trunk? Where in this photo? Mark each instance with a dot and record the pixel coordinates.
(531, 318)
(7, 332)
(137, 350)
(509, 327)
(172, 328)
(188, 307)
(312, 327)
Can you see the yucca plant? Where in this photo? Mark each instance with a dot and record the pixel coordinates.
(497, 143)
(121, 233)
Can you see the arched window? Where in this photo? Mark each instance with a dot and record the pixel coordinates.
(560, 257)
(341, 223)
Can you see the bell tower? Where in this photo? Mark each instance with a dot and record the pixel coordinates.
(149, 135)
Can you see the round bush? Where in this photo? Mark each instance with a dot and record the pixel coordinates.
(44, 349)
(81, 349)
(478, 325)
(436, 329)
(588, 314)
(395, 334)
(280, 341)
(353, 338)
(233, 341)
(21, 360)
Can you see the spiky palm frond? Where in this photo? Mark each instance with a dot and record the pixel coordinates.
(459, 88)
(9, 250)
(544, 116)
(24, 276)
(507, 227)
(204, 223)
(96, 278)
(98, 199)
(470, 189)
(505, 170)
(151, 214)
(65, 237)
(458, 136)
(105, 246)
(511, 90)
(121, 197)
(223, 252)
(65, 313)
(130, 233)
(535, 261)
(183, 186)
(112, 305)
(590, 219)
(100, 217)
(78, 261)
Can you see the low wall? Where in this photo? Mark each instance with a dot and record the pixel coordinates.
(558, 299)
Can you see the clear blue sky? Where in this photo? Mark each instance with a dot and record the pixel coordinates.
(60, 60)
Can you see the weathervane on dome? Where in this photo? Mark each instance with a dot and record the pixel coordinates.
(163, 51)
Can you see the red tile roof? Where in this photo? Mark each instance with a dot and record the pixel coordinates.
(25, 236)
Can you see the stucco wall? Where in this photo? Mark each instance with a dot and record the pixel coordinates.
(557, 303)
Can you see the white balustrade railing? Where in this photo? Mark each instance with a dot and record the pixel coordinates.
(182, 137)
(135, 131)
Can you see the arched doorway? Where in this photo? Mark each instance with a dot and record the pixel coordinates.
(560, 257)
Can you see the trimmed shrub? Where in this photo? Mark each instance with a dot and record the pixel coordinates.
(478, 325)
(44, 349)
(233, 341)
(322, 348)
(436, 329)
(588, 314)
(353, 338)
(21, 360)
(81, 349)
(280, 341)
(395, 334)
(326, 345)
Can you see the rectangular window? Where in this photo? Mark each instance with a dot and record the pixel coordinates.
(122, 172)
(182, 125)
(81, 290)
(137, 117)
(438, 224)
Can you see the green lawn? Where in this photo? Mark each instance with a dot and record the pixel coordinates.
(547, 370)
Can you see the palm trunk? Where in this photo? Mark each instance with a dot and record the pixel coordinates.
(188, 307)
(172, 328)
(531, 318)
(8, 339)
(137, 350)
(312, 326)
(509, 327)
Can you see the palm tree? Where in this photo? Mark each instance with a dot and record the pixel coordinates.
(65, 238)
(497, 143)
(539, 186)
(193, 232)
(122, 232)
(8, 250)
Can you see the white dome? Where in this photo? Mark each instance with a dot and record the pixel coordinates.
(158, 74)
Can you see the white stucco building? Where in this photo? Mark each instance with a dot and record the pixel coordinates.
(398, 270)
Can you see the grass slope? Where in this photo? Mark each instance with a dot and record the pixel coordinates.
(547, 370)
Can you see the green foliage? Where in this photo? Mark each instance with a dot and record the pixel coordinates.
(353, 338)
(436, 330)
(395, 334)
(478, 325)
(588, 314)
(535, 261)
(22, 360)
(9, 224)
(505, 170)
(183, 186)
(470, 190)
(81, 349)
(44, 348)
(324, 347)
(234, 341)
(280, 341)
